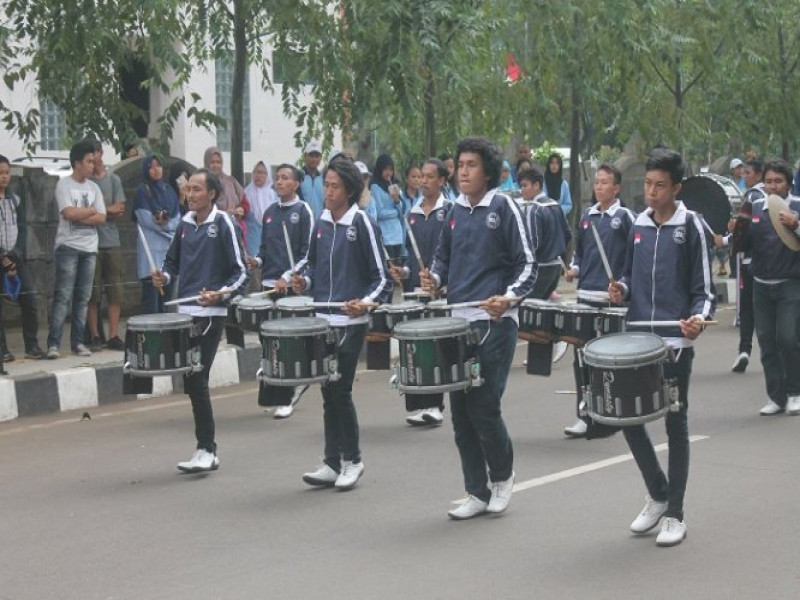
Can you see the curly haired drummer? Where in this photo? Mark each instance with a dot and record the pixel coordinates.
(207, 254)
(667, 281)
(484, 253)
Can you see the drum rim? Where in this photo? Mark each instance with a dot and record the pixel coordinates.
(628, 421)
(409, 306)
(653, 356)
(249, 303)
(291, 302)
(159, 321)
(322, 327)
(428, 329)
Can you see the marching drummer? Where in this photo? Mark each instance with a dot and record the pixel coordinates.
(425, 222)
(667, 277)
(484, 254)
(285, 237)
(344, 264)
(612, 222)
(207, 254)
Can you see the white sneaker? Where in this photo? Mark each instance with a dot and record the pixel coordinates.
(577, 430)
(771, 408)
(432, 416)
(501, 495)
(351, 473)
(559, 350)
(53, 353)
(470, 507)
(81, 350)
(416, 419)
(202, 460)
(793, 405)
(740, 365)
(283, 412)
(323, 476)
(649, 517)
(672, 532)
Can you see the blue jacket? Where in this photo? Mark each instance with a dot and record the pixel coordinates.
(272, 255)
(311, 192)
(345, 262)
(207, 255)
(426, 230)
(549, 230)
(613, 225)
(484, 251)
(564, 197)
(390, 216)
(772, 259)
(667, 273)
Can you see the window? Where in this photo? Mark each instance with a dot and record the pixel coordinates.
(224, 91)
(53, 128)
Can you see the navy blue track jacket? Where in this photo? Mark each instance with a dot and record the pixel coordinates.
(772, 259)
(427, 231)
(273, 256)
(550, 232)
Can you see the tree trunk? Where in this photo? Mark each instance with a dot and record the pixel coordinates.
(574, 166)
(236, 126)
(428, 99)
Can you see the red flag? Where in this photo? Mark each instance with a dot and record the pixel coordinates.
(513, 70)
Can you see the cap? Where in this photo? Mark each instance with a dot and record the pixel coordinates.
(362, 168)
(736, 162)
(314, 146)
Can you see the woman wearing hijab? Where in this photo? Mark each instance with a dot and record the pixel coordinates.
(233, 201)
(507, 184)
(156, 211)
(260, 196)
(388, 205)
(554, 185)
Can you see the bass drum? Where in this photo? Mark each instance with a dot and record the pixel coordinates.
(716, 197)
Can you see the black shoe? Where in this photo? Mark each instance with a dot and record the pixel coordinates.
(35, 352)
(115, 344)
(7, 356)
(96, 344)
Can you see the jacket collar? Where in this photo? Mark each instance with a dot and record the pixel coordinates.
(191, 216)
(595, 210)
(347, 218)
(291, 202)
(485, 201)
(417, 209)
(544, 200)
(679, 218)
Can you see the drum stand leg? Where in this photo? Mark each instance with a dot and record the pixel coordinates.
(378, 355)
(540, 359)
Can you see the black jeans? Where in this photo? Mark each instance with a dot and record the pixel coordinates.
(422, 401)
(547, 278)
(746, 312)
(480, 431)
(196, 384)
(338, 411)
(27, 305)
(777, 311)
(670, 487)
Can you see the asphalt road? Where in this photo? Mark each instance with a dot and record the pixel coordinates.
(95, 509)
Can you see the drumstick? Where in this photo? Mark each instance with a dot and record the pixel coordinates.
(478, 303)
(564, 268)
(195, 298)
(148, 255)
(602, 252)
(386, 255)
(288, 246)
(261, 294)
(340, 304)
(412, 238)
(665, 323)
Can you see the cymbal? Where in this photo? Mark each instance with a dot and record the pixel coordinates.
(775, 204)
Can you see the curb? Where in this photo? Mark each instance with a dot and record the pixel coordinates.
(92, 386)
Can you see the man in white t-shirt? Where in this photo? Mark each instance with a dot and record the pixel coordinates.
(80, 210)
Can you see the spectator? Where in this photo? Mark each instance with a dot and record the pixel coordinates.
(554, 185)
(13, 271)
(260, 196)
(737, 173)
(365, 200)
(450, 189)
(388, 205)
(156, 211)
(412, 194)
(108, 270)
(232, 200)
(80, 211)
(507, 184)
(311, 186)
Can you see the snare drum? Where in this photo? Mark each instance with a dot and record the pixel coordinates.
(625, 383)
(294, 306)
(436, 356)
(378, 327)
(576, 323)
(611, 320)
(537, 319)
(297, 351)
(251, 312)
(232, 319)
(159, 344)
(438, 308)
(402, 312)
(418, 295)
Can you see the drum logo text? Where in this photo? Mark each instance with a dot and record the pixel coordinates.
(608, 399)
(412, 369)
(275, 345)
(140, 339)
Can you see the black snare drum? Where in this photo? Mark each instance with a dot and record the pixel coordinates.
(297, 351)
(438, 308)
(538, 317)
(251, 312)
(418, 295)
(436, 356)
(576, 323)
(402, 312)
(159, 344)
(232, 319)
(611, 320)
(626, 379)
(294, 306)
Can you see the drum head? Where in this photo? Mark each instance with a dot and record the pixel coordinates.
(294, 302)
(536, 303)
(578, 308)
(296, 326)
(426, 329)
(715, 198)
(402, 307)
(159, 321)
(624, 350)
(614, 310)
(255, 303)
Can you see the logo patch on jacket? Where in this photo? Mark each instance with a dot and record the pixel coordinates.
(756, 219)
(351, 234)
(319, 233)
(212, 230)
(412, 220)
(268, 220)
(679, 235)
(452, 223)
(493, 220)
(616, 223)
(294, 218)
(440, 214)
(637, 238)
(585, 224)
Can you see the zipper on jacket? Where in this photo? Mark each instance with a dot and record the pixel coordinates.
(653, 278)
(330, 264)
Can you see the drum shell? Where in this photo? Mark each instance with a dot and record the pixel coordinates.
(538, 317)
(297, 359)
(437, 309)
(576, 324)
(400, 313)
(378, 324)
(294, 306)
(157, 345)
(250, 317)
(611, 320)
(626, 396)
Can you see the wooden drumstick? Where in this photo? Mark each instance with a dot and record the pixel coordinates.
(288, 247)
(665, 323)
(340, 305)
(260, 294)
(188, 299)
(148, 255)
(412, 238)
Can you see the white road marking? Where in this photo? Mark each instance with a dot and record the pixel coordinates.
(588, 468)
